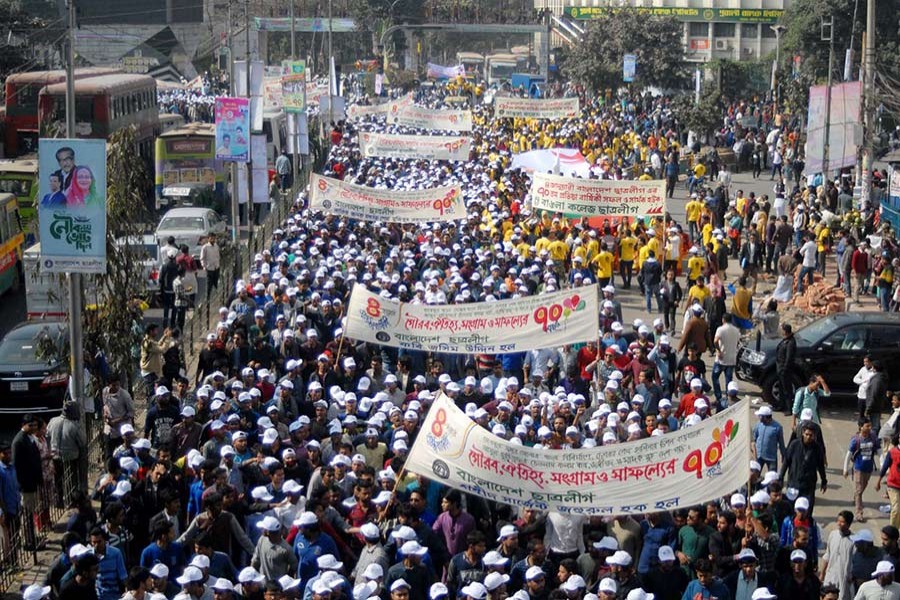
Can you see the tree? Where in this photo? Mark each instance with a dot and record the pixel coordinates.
(739, 79)
(656, 42)
(16, 25)
(700, 118)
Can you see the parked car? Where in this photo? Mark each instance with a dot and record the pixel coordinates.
(145, 249)
(832, 346)
(191, 226)
(32, 376)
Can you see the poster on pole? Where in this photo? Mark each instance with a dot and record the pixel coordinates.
(423, 147)
(680, 469)
(293, 86)
(72, 205)
(844, 129)
(232, 129)
(272, 93)
(597, 197)
(531, 108)
(365, 203)
(419, 117)
(629, 66)
(501, 327)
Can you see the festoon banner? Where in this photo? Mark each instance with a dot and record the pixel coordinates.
(516, 325)
(357, 111)
(597, 197)
(531, 108)
(365, 203)
(660, 473)
(411, 115)
(428, 147)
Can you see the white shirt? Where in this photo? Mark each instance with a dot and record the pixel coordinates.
(808, 250)
(564, 533)
(728, 338)
(872, 590)
(209, 257)
(861, 379)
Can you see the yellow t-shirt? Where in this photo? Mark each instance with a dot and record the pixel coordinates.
(653, 244)
(558, 250)
(642, 255)
(695, 265)
(541, 244)
(699, 170)
(822, 237)
(707, 233)
(692, 209)
(700, 293)
(603, 262)
(626, 247)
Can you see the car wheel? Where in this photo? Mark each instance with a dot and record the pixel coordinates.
(771, 387)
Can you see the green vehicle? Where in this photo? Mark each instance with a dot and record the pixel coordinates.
(11, 242)
(19, 177)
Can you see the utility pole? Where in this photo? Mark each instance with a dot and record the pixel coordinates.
(868, 154)
(825, 145)
(332, 73)
(250, 133)
(296, 118)
(76, 335)
(235, 204)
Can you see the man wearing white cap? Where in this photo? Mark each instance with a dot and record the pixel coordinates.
(882, 585)
(467, 566)
(372, 553)
(411, 570)
(273, 557)
(767, 442)
(837, 562)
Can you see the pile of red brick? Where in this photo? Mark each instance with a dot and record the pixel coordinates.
(820, 298)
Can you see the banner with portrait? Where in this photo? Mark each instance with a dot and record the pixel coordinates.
(72, 205)
(232, 129)
(293, 86)
(597, 197)
(365, 203)
(530, 108)
(422, 147)
(680, 469)
(502, 327)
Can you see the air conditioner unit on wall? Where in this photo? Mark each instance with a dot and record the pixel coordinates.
(721, 45)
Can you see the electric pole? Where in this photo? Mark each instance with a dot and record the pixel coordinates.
(235, 201)
(76, 335)
(868, 154)
(825, 145)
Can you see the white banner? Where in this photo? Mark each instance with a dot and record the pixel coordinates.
(569, 161)
(365, 203)
(528, 323)
(529, 108)
(680, 469)
(598, 197)
(442, 72)
(429, 118)
(393, 107)
(428, 147)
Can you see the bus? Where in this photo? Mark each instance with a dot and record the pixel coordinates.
(472, 62)
(104, 105)
(20, 178)
(186, 166)
(500, 67)
(169, 121)
(12, 239)
(275, 129)
(21, 130)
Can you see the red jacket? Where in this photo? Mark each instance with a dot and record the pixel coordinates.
(859, 262)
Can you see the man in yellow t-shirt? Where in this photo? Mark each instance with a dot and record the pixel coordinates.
(557, 248)
(698, 291)
(823, 244)
(603, 263)
(626, 258)
(695, 266)
(693, 209)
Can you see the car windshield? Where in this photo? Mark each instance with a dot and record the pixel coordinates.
(815, 331)
(21, 347)
(170, 223)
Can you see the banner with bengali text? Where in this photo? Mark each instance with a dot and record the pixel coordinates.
(430, 118)
(597, 197)
(679, 469)
(529, 108)
(427, 147)
(365, 203)
(501, 327)
(442, 72)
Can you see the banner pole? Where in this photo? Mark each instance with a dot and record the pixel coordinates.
(393, 497)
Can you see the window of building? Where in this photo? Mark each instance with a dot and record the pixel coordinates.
(749, 30)
(723, 30)
(698, 29)
(767, 32)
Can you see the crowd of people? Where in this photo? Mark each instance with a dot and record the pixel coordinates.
(276, 470)
(195, 101)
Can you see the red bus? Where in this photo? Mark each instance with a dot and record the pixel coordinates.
(21, 131)
(104, 105)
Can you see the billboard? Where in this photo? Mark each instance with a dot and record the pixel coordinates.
(72, 205)
(293, 86)
(233, 129)
(844, 130)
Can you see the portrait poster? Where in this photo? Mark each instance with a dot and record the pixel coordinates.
(232, 129)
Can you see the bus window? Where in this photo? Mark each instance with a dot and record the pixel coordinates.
(4, 227)
(84, 109)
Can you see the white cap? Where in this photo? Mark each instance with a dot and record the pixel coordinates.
(438, 590)
(608, 585)
(249, 574)
(494, 580)
(798, 555)
(190, 575)
(373, 571)
(738, 500)
(574, 583)
(534, 573)
(370, 531)
(764, 411)
(863, 535)
(620, 558)
(413, 548)
(122, 488)
(507, 531)
(607, 542)
(400, 583)
(494, 558)
(665, 554)
(35, 592)
(801, 503)
(159, 570)
(806, 414)
(306, 519)
(201, 561)
(223, 585)
(746, 554)
(763, 593)
(328, 562)
(638, 594)
(269, 523)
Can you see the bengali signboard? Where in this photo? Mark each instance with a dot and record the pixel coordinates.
(293, 86)
(731, 15)
(597, 197)
(72, 206)
(419, 117)
(427, 147)
(505, 326)
(272, 93)
(442, 72)
(530, 108)
(365, 203)
(680, 469)
(233, 129)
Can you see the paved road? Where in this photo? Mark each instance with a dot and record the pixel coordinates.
(839, 422)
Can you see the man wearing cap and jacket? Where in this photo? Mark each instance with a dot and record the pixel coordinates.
(747, 579)
(768, 439)
(803, 461)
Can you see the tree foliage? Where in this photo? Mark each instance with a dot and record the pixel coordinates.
(656, 41)
(16, 25)
(701, 118)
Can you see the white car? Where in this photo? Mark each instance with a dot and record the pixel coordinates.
(191, 226)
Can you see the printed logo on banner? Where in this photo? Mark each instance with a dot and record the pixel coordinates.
(696, 461)
(554, 317)
(374, 317)
(445, 205)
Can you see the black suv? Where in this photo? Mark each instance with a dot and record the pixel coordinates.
(832, 346)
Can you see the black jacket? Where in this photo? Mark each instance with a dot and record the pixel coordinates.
(651, 272)
(27, 460)
(751, 257)
(876, 393)
(785, 354)
(803, 462)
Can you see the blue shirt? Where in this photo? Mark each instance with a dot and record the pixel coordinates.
(309, 552)
(862, 452)
(769, 440)
(9, 489)
(696, 591)
(112, 575)
(172, 557)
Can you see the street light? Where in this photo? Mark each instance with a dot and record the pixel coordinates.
(777, 29)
